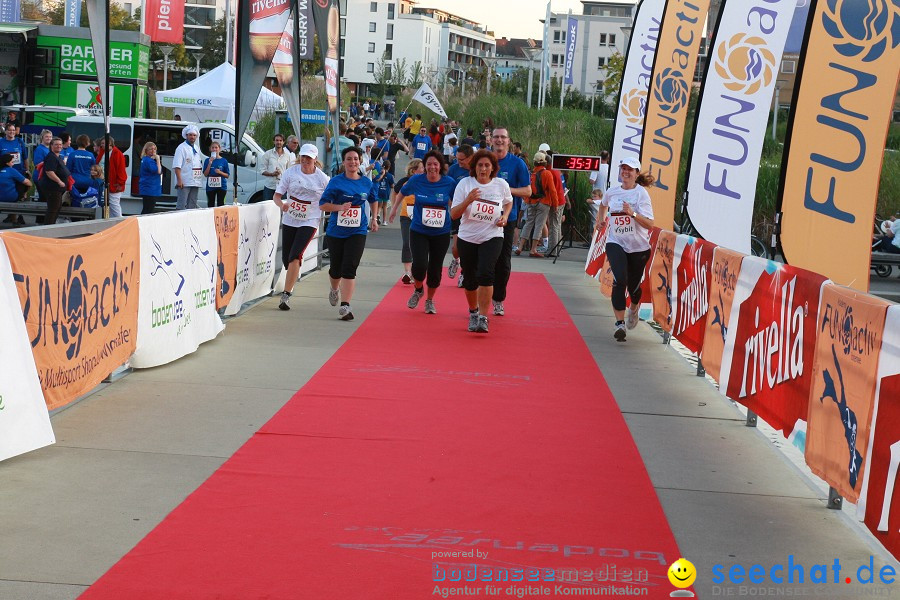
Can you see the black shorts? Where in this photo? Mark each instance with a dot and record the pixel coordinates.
(294, 241)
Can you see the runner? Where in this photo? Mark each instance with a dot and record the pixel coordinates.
(481, 203)
(429, 235)
(458, 171)
(303, 185)
(404, 204)
(345, 198)
(628, 244)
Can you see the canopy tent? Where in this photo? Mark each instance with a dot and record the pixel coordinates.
(210, 97)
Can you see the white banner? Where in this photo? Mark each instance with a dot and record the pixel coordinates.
(571, 40)
(177, 309)
(425, 96)
(257, 253)
(628, 133)
(731, 118)
(24, 420)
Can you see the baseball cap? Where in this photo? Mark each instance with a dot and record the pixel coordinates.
(540, 157)
(309, 150)
(543, 147)
(631, 162)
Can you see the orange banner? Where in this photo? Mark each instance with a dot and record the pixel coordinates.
(668, 99)
(726, 271)
(834, 152)
(850, 331)
(228, 232)
(80, 301)
(606, 279)
(661, 279)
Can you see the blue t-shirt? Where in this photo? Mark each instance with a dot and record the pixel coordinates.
(221, 164)
(15, 146)
(515, 172)
(421, 145)
(151, 181)
(430, 196)
(80, 164)
(457, 172)
(8, 178)
(383, 147)
(65, 153)
(384, 187)
(40, 153)
(355, 191)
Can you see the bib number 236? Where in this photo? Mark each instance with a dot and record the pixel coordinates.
(434, 217)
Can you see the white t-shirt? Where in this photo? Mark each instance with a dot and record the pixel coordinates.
(301, 192)
(624, 230)
(190, 160)
(478, 223)
(271, 161)
(447, 138)
(598, 178)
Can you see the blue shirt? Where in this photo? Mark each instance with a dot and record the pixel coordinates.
(40, 153)
(421, 146)
(383, 147)
(65, 153)
(15, 146)
(80, 164)
(151, 181)
(221, 164)
(515, 172)
(8, 178)
(384, 186)
(355, 191)
(430, 195)
(457, 172)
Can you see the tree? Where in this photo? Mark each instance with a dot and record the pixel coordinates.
(54, 12)
(416, 74)
(615, 70)
(383, 75)
(398, 76)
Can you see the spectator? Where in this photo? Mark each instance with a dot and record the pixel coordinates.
(275, 161)
(11, 180)
(150, 184)
(53, 181)
(80, 163)
(187, 164)
(216, 170)
(117, 177)
(599, 180)
(543, 199)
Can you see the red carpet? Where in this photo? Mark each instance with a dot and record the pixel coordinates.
(418, 437)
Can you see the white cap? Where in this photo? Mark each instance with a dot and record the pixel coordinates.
(309, 150)
(631, 162)
(544, 147)
(367, 143)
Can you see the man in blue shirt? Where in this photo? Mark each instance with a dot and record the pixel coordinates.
(10, 144)
(421, 144)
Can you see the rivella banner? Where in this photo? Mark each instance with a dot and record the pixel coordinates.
(24, 420)
(597, 254)
(668, 99)
(836, 135)
(628, 130)
(731, 118)
(726, 269)
(286, 65)
(258, 254)
(177, 310)
(227, 253)
(79, 298)
(327, 18)
(691, 279)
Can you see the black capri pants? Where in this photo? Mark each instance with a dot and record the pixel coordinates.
(345, 255)
(480, 259)
(215, 198)
(405, 252)
(628, 270)
(294, 241)
(428, 256)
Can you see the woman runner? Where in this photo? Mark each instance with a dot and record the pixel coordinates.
(404, 205)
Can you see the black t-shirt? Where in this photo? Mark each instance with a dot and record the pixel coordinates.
(399, 185)
(394, 150)
(53, 163)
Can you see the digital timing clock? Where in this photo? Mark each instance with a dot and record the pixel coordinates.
(569, 162)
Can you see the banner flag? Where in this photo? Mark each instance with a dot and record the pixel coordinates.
(10, 11)
(327, 18)
(24, 420)
(287, 70)
(568, 76)
(79, 298)
(425, 96)
(177, 309)
(667, 102)
(258, 226)
(879, 505)
(850, 330)
(768, 356)
(607, 279)
(646, 291)
(227, 254)
(661, 279)
(164, 21)
(72, 13)
(691, 280)
(730, 123)
(597, 254)
(726, 269)
(836, 136)
(628, 129)
(97, 22)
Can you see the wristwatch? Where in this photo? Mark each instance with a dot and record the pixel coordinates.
(634, 214)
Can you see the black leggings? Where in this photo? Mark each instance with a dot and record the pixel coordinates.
(428, 253)
(504, 263)
(345, 255)
(628, 269)
(478, 261)
(215, 197)
(149, 204)
(51, 193)
(294, 241)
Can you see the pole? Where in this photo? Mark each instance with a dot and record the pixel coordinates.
(530, 80)
(593, 95)
(237, 102)
(106, 105)
(545, 57)
(775, 114)
(228, 41)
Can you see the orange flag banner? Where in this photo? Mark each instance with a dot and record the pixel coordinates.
(228, 232)
(661, 279)
(726, 271)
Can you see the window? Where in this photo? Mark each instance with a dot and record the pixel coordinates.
(373, 7)
(601, 62)
(390, 11)
(390, 31)
(387, 72)
(372, 27)
(370, 67)
(389, 52)
(788, 66)
(371, 46)
(612, 39)
(341, 45)
(602, 39)
(559, 37)
(343, 27)
(556, 60)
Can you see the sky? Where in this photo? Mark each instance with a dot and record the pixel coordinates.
(506, 18)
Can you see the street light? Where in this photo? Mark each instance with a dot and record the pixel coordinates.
(490, 62)
(777, 101)
(198, 56)
(166, 51)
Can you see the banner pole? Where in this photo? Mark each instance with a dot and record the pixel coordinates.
(106, 111)
(295, 56)
(236, 106)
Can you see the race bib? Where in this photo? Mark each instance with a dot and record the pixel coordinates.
(352, 217)
(409, 210)
(623, 225)
(421, 146)
(434, 217)
(486, 211)
(15, 158)
(198, 175)
(299, 209)
(214, 182)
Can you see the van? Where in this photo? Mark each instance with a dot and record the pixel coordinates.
(130, 135)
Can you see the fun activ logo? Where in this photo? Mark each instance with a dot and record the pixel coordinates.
(634, 105)
(745, 63)
(671, 91)
(862, 28)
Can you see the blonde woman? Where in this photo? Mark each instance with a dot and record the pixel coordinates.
(150, 183)
(405, 205)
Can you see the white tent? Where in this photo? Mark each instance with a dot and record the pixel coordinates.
(210, 97)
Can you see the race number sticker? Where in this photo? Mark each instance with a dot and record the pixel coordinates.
(623, 225)
(299, 209)
(198, 175)
(352, 217)
(15, 159)
(420, 146)
(409, 210)
(486, 211)
(214, 182)
(434, 217)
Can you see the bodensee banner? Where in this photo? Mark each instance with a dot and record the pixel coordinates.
(258, 254)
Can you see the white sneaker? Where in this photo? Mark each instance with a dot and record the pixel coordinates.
(345, 313)
(619, 333)
(459, 282)
(414, 299)
(473, 321)
(453, 268)
(285, 303)
(429, 307)
(333, 297)
(498, 308)
(632, 317)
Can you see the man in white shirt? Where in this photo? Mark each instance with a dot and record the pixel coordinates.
(598, 183)
(187, 164)
(275, 162)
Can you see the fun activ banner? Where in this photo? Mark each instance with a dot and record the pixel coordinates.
(726, 269)
(661, 279)
(597, 253)
(879, 504)
(691, 280)
(24, 420)
(850, 330)
(767, 361)
(731, 117)
(836, 136)
(258, 255)
(668, 99)
(164, 21)
(227, 254)
(177, 311)
(79, 298)
(327, 17)
(628, 130)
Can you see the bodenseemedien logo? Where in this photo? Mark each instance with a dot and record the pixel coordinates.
(671, 90)
(862, 27)
(745, 63)
(634, 105)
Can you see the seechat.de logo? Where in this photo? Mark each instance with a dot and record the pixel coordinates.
(862, 28)
(745, 63)
(634, 105)
(671, 91)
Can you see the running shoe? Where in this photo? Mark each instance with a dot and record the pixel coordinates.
(453, 268)
(414, 299)
(285, 303)
(631, 316)
(345, 313)
(619, 333)
(333, 297)
(473, 321)
(406, 279)
(378, 219)
(498, 308)
(542, 249)
(482, 324)
(459, 282)
(429, 307)
(517, 250)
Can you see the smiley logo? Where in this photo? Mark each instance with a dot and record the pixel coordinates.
(682, 573)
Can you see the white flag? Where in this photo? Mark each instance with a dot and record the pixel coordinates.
(426, 96)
